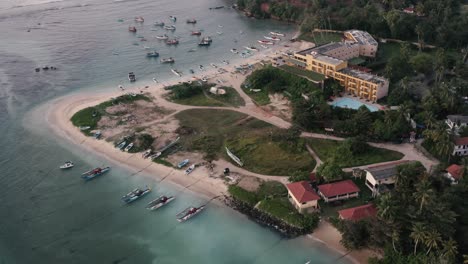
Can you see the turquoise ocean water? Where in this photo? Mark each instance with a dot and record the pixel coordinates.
(52, 216)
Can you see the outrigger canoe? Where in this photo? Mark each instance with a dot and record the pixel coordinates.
(159, 202)
(189, 213)
(135, 195)
(89, 175)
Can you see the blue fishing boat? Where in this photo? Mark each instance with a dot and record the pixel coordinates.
(135, 195)
(89, 175)
(152, 54)
(183, 163)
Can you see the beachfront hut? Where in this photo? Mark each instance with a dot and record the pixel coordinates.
(358, 213)
(342, 190)
(303, 197)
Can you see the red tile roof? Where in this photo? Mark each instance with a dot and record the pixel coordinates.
(302, 191)
(455, 170)
(359, 212)
(338, 188)
(461, 141)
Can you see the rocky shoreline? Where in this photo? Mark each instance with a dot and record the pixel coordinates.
(265, 219)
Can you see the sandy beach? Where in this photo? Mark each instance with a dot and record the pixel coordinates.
(203, 180)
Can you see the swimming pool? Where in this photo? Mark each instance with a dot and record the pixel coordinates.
(353, 104)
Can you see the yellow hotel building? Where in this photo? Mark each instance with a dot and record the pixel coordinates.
(331, 60)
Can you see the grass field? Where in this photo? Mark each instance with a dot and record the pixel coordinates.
(326, 148)
(261, 98)
(321, 38)
(247, 137)
(205, 98)
(304, 73)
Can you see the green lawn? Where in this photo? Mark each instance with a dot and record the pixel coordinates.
(326, 148)
(205, 98)
(321, 38)
(304, 73)
(282, 208)
(247, 137)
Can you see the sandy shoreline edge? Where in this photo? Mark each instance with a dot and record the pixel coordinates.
(60, 110)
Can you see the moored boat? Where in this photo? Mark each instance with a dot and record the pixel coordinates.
(159, 202)
(129, 147)
(131, 77)
(162, 37)
(83, 128)
(201, 68)
(97, 134)
(235, 51)
(176, 72)
(213, 65)
(204, 43)
(168, 60)
(94, 173)
(190, 169)
(276, 34)
(152, 54)
(191, 21)
(172, 42)
(139, 19)
(183, 163)
(155, 80)
(158, 24)
(170, 27)
(147, 153)
(272, 38)
(252, 48)
(189, 213)
(191, 71)
(135, 195)
(173, 18)
(132, 29)
(266, 42)
(226, 62)
(196, 33)
(67, 165)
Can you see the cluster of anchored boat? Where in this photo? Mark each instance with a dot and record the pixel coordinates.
(139, 193)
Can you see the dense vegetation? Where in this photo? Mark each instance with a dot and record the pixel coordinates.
(439, 22)
(422, 220)
(272, 80)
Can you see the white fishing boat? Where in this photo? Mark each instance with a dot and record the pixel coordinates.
(158, 24)
(219, 32)
(156, 155)
(67, 165)
(147, 153)
(155, 80)
(170, 28)
(226, 62)
(274, 38)
(176, 72)
(189, 213)
(121, 145)
(201, 68)
(190, 169)
(265, 42)
(276, 34)
(251, 48)
(135, 195)
(83, 128)
(159, 202)
(139, 19)
(213, 65)
(162, 37)
(235, 51)
(129, 147)
(204, 79)
(168, 60)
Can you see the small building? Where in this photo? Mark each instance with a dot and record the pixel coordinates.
(409, 10)
(379, 176)
(460, 147)
(303, 197)
(342, 190)
(454, 173)
(358, 213)
(455, 122)
(216, 90)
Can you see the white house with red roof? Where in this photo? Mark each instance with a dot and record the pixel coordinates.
(454, 173)
(461, 146)
(358, 213)
(303, 197)
(341, 190)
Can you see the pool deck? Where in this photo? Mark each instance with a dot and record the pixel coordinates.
(363, 101)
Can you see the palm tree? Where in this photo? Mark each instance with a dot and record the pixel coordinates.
(395, 237)
(386, 207)
(424, 193)
(465, 259)
(450, 249)
(432, 240)
(418, 233)
(419, 30)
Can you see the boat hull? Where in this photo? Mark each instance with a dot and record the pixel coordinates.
(159, 205)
